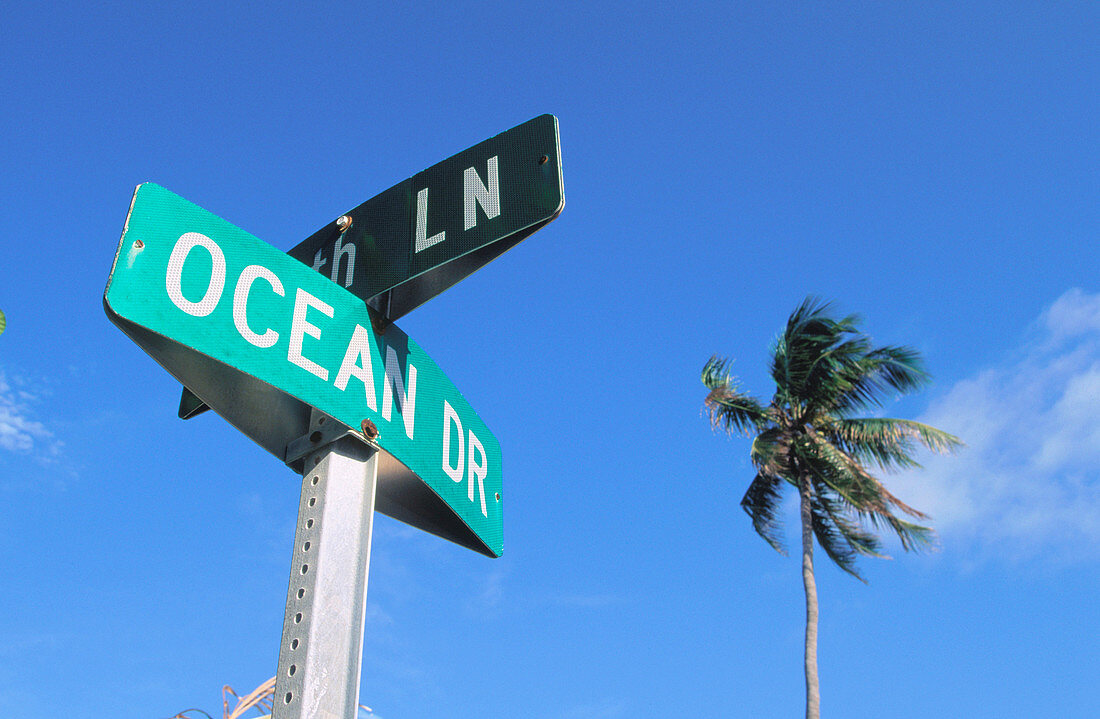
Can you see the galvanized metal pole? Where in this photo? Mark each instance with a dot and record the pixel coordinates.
(321, 654)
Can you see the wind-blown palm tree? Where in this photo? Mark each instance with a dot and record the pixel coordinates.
(825, 371)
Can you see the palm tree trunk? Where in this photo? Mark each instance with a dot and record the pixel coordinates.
(813, 695)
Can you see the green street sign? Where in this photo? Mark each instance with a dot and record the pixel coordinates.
(416, 239)
(261, 339)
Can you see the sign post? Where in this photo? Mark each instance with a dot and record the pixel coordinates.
(320, 656)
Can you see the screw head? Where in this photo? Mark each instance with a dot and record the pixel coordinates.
(369, 430)
(343, 222)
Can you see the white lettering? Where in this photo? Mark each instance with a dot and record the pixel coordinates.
(449, 417)
(406, 399)
(172, 279)
(299, 327)
(475, 193)
(359, 349)
(423, 242)
(318, 261)
(337, 252)
(478, 470)
(240, 304)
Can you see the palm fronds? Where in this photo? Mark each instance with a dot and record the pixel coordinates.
(885, 441)
(762, 503)
(727, 407)
(824, 370)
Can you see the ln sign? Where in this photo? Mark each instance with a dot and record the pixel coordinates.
(221, 309)
(426, 233)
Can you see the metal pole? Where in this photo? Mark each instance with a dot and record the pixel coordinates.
(321, 653)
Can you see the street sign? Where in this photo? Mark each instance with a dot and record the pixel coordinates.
(428, 232)
(416, 239)
(261, 339)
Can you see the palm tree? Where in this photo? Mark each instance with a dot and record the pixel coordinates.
(825, 371)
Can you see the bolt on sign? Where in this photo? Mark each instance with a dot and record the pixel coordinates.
(262, 338)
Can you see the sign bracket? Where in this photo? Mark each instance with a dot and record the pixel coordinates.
(323, 430)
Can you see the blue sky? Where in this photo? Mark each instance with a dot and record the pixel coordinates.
(932, 166)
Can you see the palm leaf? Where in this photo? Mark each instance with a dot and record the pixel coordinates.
(873, 375)
(847, 476)
(809, 332)
(868, 499)
(762, 502)
(840, 473)
(770, 453)
(914, 537)
(727, 407)
(888, 441)
(842, 539)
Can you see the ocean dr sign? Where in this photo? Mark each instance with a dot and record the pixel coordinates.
(411, 242)
(210, 288)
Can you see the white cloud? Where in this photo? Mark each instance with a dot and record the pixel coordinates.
(1075, 313)
(1028, 483)
(18, 431)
